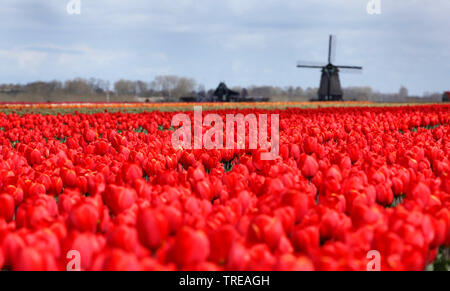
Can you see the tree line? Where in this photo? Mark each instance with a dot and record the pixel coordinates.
(168, 87)
(172, 88)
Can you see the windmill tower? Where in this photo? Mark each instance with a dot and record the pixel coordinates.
(330, 84)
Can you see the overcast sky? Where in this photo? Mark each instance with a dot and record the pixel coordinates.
(242, 42)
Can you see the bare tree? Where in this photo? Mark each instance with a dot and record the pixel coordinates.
(173, 87)
(142, 89)
(403, 93)
(78, 86)
(125, 88)
(358, 93)
(165, 84)
(184, 87)
(99, 86)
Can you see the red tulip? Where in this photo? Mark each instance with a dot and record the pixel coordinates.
(261, 258)
(101, 148)
(35, 157)
(385, 196)
(84, 217)
(131, 172)
(289, 262)
(191, 247)
(7, 207)
(116, 260)
(153, 227)
(421, 194)
(300, 202)
(174, 217)
(30, 259)
(119, 198)
(2, 259)
(307, 239)
(69, 177)
(309, 166)
(87, 244)
(238, 258)
(265, 229)
(12, 246)
(310, 145)
(90, 135)
(221, 243)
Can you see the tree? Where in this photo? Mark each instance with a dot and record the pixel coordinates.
(403, 93)
(165, 84)
(184, 87)
(201, 92)
(142, 89)
(98, 86)
(311, 93)
(244, 93)
(125, 88)
(358, 93)
(173, 87)
(78, 86)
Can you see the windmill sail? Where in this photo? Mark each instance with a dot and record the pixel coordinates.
(332, 49)
(306, 64)
(350, 67)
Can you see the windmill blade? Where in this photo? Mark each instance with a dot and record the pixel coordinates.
(332, 49)
(350, 67)
(312, 67)
(306, 64)
(350, 71)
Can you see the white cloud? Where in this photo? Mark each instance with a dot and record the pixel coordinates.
(83, 54)
(25, 59)
(241, 41)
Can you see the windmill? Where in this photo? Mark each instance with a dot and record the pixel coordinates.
(330, 84)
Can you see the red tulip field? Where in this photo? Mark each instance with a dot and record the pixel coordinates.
(351, 188)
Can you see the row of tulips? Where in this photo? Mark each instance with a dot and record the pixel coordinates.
(111, 187)
(123, 105)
